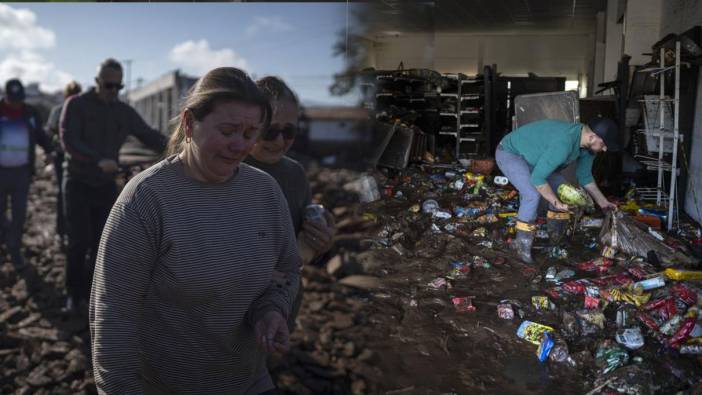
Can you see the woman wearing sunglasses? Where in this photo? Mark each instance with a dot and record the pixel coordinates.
(268, 154)
(184, 299)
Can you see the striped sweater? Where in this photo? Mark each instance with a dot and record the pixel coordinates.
(183, 272)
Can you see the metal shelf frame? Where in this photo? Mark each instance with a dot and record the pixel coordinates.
(659, 164)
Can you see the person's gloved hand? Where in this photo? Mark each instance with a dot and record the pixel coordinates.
(320, 236)
(272, 333)
(108, 166)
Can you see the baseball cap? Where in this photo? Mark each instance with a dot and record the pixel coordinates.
(14, 90)
(607, 130)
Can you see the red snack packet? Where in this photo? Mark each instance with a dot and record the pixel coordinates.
(688, 296)
(638, 272)
(682, 333)
(665, 307)
(574, 287)
(592, 302)
(554, 292)
(463, 304)
(648, 321)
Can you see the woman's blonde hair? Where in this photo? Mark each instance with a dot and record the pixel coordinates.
(219, 85)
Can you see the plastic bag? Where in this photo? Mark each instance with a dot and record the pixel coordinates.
(624, 234)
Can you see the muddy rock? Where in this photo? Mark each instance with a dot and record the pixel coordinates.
(361, 281)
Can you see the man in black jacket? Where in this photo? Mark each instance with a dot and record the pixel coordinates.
(20, 131)
(94, 126)
(52, 128)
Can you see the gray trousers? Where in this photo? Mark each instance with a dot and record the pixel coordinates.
(518, 171)
(14, 189)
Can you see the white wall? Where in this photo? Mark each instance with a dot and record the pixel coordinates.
(600, 52)
(677, 17)
(561, 53)
(680, 15)
(413, 50)
(546, 54)
(642, 25)
(613, 40)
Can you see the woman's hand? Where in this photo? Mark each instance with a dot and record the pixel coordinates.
(272, 333)
(320, 236)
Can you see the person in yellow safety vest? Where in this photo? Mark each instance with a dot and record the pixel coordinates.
(532, 157)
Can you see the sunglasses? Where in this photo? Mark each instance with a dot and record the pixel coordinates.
(112, 85)
(109, 85)
(288, 132)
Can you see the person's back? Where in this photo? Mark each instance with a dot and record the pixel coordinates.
(534, 139)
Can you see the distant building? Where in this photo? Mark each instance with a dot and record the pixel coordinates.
(158, 102)
(332, 131)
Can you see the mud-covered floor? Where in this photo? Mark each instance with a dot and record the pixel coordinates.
(371, 322)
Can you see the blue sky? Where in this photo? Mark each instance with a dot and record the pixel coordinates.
(51, 43)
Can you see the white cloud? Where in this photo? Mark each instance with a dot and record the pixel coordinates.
(18, 30)
(30, 67)
(197, 57)
(274, 24)
(21, 39)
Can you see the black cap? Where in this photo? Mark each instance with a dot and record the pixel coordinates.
(14, 90)
(608, 132)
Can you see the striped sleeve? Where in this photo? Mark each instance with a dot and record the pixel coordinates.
(280, 294)
(126, 256)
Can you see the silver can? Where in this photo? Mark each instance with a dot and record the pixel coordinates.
(315, 213)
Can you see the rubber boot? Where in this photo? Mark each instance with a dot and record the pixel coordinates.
(522, 243)
(556, 226)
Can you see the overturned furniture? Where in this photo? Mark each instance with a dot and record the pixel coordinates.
(397, 145)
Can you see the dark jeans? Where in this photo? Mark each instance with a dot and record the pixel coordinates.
(58, 171)
(14, 189)
(518, 171)
(86, 210)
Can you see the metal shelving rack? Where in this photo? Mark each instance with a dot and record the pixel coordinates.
(468, 131)
(658, 194)
(454, 132)
(471, 131)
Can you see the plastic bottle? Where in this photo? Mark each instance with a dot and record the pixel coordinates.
(545, 346)
(651, 283)
(429, 206)
(369, 189)
(695, 349)
(501, 180)
(676, 274)
(314, 213)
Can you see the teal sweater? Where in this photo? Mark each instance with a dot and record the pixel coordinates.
(549, 145)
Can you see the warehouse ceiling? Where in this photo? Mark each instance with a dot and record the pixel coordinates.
(392, 17)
